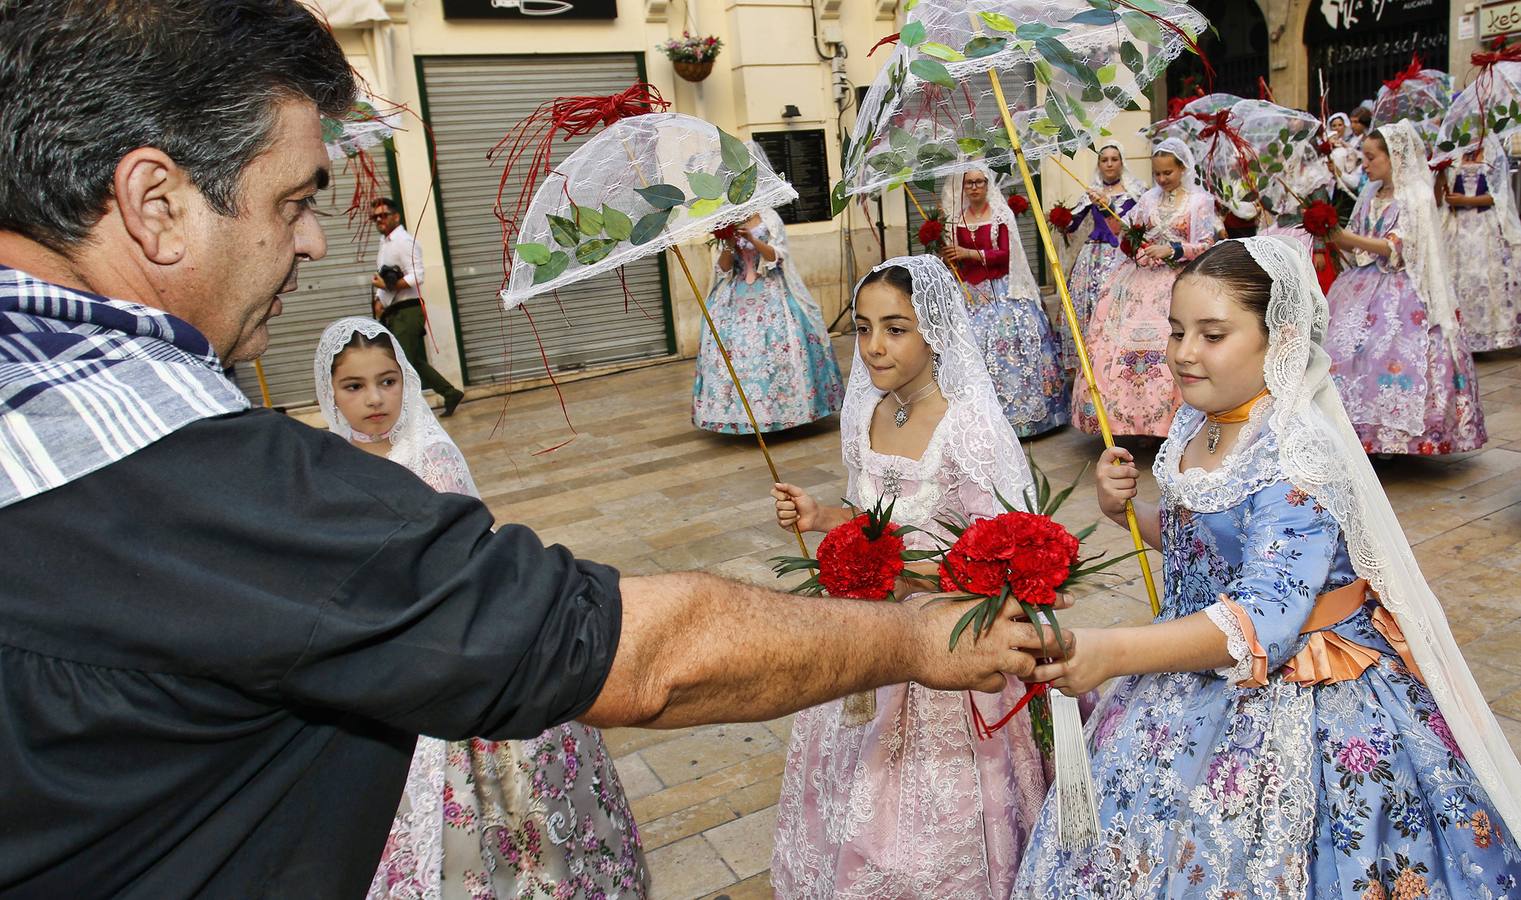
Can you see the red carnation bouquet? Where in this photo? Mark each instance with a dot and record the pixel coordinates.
(1320, 218)
(1019, 204)
(932, 231)
(1133, 240)
(1061, 217)
(1027, 557)
(726, 233)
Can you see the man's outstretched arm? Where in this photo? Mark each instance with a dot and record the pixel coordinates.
(697, 648)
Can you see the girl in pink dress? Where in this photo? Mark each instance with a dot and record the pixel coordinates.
(1127, 335)
(911, 804)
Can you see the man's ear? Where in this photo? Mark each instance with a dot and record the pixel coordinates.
(152, 197)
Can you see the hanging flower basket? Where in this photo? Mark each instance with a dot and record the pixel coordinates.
(693, 71)
(692, 56)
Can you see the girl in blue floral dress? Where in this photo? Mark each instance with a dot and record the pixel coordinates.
(1298, 722)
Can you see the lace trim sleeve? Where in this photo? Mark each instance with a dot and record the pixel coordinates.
(1237, 643)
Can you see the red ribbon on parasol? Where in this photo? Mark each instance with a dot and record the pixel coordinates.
(1411, 72)
(1217, 124)
(1498, 52)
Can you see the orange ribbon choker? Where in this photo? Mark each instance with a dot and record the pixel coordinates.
(1237, 415)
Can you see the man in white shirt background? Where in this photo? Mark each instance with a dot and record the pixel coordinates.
(398, 303)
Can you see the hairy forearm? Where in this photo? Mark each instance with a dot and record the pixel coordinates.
(1190, 644)
(696, 649)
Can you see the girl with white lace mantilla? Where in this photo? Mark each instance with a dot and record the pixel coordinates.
(1299, 722)
(911, 804)
(479, 820)
(1399, 357)
(1127, 334)
(1482, 227)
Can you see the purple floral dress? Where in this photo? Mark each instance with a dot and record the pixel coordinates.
(1208, 789)
(1407, 387)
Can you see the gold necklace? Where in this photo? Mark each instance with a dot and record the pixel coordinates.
(900, 418)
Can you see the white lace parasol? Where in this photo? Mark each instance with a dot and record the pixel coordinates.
(644, 184)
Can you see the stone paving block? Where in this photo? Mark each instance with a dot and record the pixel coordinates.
(756, 887)
(637, 778)
(685, 822)
(718, 784)
(745, 844)
(686, 870)
(708, 750)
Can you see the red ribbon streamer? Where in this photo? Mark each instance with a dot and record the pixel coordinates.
(890, 39)
(1217, 124)
(1412, 72)
(980, 724)
(1497, 53)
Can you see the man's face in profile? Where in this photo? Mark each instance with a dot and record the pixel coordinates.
(240, 264)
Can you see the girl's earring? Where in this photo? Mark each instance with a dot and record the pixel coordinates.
(935, 367)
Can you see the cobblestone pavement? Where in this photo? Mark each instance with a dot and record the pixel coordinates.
(641, 489)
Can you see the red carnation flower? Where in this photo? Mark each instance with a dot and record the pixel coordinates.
(1031, 554)
(931, 233)
(1320, 218)
(1061, 217)
(1019, 204)
(855, 566)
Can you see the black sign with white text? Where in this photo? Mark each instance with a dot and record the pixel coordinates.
(528, 10)
(1331, 19)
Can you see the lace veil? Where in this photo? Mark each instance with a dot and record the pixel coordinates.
(1497, 174)
(418, 441)
(1179, 148)
(1132, 185)
(1319, 452)
(1021, 281)
(1423, 247)
(979, 442)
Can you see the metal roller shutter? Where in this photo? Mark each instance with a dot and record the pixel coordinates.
(471, 102)
(330, 288)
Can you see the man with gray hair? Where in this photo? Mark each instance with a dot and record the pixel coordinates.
(220, 630)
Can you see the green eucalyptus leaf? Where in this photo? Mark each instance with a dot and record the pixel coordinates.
(742, 186)
(838, 199)
(706, 185)
(899, 139)
(1106, 74)
(909, 5)
(1101, 17)
(982, 45)
(885, 162)
(531, 253)
(617, 225)
(971, 146)
(912, 34)
(705, 206)
(1042, 71)
(552, 268)
(566, 233)
(736, 155)
(649, 226)
(935, 153)
(1145, 29)
(1131, 57)
(1034, 31)
(998, 22)
(941, 51)
(933, 71)
(589, 220)
(662, 196)
(595, 251)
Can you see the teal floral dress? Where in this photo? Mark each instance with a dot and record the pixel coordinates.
(1209, 789)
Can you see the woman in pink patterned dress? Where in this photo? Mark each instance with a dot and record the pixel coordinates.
(1127, 335)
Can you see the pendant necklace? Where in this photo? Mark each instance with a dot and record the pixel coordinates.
(900, 418)
(1229, 417)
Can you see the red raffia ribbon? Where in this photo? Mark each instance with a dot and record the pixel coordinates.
(366, 191)
(1188, 39)
(1263, 91)
(890, 39)
(980, 724)
(1498, 52)
(565, 117)
(1217, 124)
(1412, 72)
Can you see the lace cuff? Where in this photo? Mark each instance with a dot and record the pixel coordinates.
(1250, 669)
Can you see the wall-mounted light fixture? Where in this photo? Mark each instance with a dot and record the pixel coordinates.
(790, 111)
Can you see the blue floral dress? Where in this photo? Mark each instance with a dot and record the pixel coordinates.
(1207, 789)
(776, 337)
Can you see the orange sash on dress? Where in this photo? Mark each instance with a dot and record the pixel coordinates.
(1327, 657)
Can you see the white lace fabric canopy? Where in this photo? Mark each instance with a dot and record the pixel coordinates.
(642, 185)
(979, 441)
(1067, 68)
(1319, 451)
(1421, 99)
(418, 441)
(367, 124)
(1489, 105)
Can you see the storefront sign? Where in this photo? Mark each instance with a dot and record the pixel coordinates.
(1499, 18)
(1331, 19)
(530, 9)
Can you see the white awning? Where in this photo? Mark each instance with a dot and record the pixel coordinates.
(350, 13)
